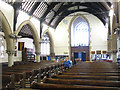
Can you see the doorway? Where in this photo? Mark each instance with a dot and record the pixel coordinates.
(80, 56)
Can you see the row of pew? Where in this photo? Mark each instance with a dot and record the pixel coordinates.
(84, 76)
(16, 77)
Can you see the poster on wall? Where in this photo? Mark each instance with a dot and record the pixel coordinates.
(99, 55)
(93, 55)
(20, 46)
(98, 52)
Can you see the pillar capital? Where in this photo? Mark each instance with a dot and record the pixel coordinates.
(109, 52)
(52, 54)
(40, 42)
(114, 51)
(37, 53)
(10, 52)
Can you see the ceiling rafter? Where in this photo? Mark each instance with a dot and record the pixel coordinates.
(50, 7)
(89, 10)
(65, 7)
(59, 10)
(89, 5)
(34, 8)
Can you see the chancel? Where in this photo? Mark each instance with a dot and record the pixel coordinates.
(38, 38)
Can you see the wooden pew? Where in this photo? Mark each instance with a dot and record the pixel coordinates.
(30, 72)
(114, 78)
(91, 71)
(83, 82)
(36, 85)
(83, 78)
(19, 78)
(8, 81)
(92, 74)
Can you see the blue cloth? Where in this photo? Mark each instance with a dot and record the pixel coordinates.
(67, 64)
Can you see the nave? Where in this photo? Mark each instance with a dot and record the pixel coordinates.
(23, 73)
(35, 36)
(84, 76)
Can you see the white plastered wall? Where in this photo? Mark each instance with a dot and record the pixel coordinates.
(8, 11)
(98, 34)
(23, 17)
(28, 43)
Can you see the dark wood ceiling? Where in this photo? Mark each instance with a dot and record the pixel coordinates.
(52, 13)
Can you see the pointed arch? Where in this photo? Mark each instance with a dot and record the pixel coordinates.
(7, 31)
(33, 31)
(70, 24)
(51, 41)
(80, 29)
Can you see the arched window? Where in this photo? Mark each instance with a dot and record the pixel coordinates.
(80, 32)
(2, 46)
(45, 45)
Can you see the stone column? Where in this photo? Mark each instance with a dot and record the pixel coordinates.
(14, 44)
(37, 56)
(52, 56)
(114, 48)
(10, 58)
(118, 45)
(114, 55)
(109, 45)
(114, 41)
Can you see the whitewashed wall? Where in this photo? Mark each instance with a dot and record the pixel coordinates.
(28, 43)
(23, 17)
(98, 34)
(8, 11)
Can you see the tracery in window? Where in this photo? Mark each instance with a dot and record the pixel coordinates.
(80, 32)
(2, 47)
(45, 45)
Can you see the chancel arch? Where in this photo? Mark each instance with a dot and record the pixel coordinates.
(79, 38)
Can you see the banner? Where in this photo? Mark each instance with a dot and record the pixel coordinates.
(20, 46)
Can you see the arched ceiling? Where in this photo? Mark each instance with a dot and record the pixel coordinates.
(52, 13)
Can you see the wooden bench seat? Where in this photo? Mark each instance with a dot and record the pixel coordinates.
(36, 85)
(8, 81)
(30, 70)
(92, 74)
(83, 82)
(90, 71)
(115, 78)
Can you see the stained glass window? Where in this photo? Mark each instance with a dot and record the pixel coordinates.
(2, 47)
(45, 45)
(80, 32)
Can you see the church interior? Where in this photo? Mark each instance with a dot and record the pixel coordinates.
(37, 36)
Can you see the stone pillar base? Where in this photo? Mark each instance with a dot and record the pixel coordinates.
(114, 55)
(52, 56)
(37, 56)
(10, 58)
